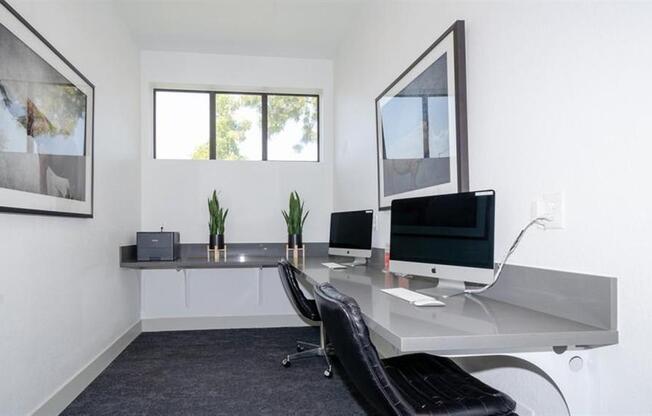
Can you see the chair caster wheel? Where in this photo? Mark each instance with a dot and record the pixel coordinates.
(300, 348)
(328, 373)
(285, 362)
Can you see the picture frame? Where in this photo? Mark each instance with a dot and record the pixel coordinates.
(421, 124)
(46, 125)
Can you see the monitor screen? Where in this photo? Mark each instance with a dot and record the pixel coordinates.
(351, 230)
(455, 230)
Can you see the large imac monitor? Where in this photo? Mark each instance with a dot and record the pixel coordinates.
(444, 236)
(351, 234)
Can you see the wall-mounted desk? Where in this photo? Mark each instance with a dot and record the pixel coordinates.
(529, 310)
(195, 256)
(489, 323)
(199, 291)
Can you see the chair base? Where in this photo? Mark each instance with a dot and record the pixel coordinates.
(310, 350)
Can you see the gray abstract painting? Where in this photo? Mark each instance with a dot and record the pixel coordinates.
(415, 133)
(42, 125)
(421, 124)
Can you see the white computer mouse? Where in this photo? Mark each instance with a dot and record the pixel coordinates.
(428, 302)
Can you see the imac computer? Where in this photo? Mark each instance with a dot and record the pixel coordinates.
(444, 236)
(351, 235)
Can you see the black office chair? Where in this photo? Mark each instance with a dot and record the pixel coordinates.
(415, 384)
(308, 309)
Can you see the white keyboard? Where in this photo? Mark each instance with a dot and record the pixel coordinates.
(413, 297)
(334, 265)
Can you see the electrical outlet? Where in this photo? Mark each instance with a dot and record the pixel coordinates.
(550, 206)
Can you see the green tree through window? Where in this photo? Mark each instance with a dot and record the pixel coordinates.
(230, 133)
(201, 152)
(231, 130)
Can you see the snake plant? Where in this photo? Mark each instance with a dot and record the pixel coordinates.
(217, 215)
(294, 216)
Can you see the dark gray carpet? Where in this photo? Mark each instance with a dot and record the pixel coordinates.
(221, 372)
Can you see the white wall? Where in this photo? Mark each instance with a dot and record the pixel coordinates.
(174, 192)
(558, 100)
(63, 298)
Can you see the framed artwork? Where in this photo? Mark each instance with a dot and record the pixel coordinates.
(421, 125)
(46, 125)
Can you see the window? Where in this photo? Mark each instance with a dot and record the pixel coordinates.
(292, 127)
(182, 128)
(207, 125)
(238, 126)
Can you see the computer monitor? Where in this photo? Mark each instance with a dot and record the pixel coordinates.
(444, 236)
(351, 234)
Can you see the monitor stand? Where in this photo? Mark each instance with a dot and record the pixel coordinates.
(444, 288)
(357, 261)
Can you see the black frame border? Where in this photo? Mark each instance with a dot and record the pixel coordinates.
(212, 139)
(40, 37)
(461, 119)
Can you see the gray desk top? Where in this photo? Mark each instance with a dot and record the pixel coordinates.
(239, 255)
(528, 310)
(476, 324)
(232, 261)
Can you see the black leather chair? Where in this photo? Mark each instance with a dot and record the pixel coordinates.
(415, 384)
(308, 309)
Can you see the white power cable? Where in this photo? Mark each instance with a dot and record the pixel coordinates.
(537, 221)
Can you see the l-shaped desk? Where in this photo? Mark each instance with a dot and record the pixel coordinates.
(530, 310)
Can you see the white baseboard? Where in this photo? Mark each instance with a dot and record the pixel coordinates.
(61, 398)
(221, 322)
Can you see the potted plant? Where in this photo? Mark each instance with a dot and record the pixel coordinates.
(295, 218)
(216, 220)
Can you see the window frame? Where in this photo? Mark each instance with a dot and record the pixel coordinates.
(212, 140)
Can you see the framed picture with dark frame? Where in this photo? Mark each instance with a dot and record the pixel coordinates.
(46, 125)
(421, 128)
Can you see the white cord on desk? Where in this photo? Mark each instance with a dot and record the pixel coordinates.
(537, 221)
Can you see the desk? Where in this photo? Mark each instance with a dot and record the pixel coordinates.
(255, 264)
(529, 310)
(196, 256)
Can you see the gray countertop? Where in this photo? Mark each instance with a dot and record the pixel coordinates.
(238, 255)
(231, 261)
(528, 310)
(475, 324)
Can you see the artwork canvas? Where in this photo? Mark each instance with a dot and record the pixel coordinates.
(46, 125)
(421, 125)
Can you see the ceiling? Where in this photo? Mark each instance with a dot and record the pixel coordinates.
(288, 28)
